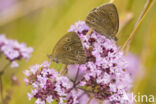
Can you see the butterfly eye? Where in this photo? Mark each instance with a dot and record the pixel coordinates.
(68, 48)
(49, 56)
(68, 40)
(111, 14)
(93, 21)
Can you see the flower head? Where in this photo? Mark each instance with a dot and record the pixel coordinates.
(48, 85)
(103, 76)
(13, 50)
(104, 73)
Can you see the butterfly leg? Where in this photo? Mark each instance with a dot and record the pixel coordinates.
(89, 32)
(63, 70)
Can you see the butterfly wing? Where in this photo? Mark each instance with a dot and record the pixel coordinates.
(104, 20)
(69, 50)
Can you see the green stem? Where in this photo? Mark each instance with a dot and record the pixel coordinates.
(5, 67)
(1, 83)
(1, 90)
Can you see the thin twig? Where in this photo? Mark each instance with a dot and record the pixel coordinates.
(144, 12)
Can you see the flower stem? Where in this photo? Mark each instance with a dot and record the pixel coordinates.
(5, 67)
(77, 74)
(1, 90)
(1, 83)
(90, 100)
(144, 12)
(100, 102)
(81, 95)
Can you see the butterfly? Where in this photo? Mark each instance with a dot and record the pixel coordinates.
(104, 20)
(69, 50)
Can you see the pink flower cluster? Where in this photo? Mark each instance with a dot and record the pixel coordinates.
(48, 86)
(103, 76)
(13, 50)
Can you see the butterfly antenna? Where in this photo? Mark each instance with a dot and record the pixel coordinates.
(144, 12)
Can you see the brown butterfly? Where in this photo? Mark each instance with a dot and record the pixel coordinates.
(69, 50)
(104, 20)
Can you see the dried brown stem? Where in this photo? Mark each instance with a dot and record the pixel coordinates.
(144, 12)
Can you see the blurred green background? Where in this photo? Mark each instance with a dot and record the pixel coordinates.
(41, 23)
